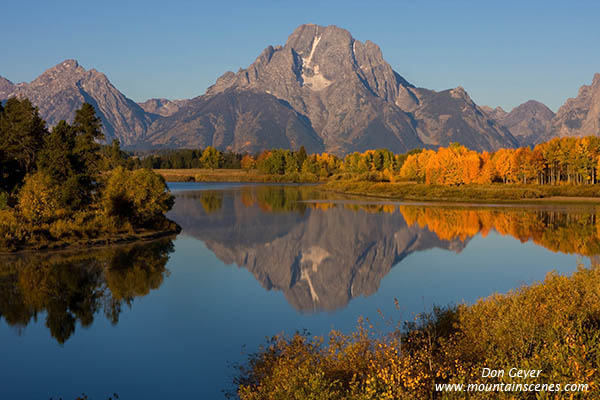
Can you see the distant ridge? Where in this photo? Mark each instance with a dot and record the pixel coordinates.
(528, 122)
(579, 116)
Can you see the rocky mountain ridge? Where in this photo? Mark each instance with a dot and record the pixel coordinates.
(322, 89)
(61, 90)
(163, 107)
(527, 122)
(579, 116)
(355, 100)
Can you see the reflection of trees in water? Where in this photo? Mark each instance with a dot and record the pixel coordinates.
(212, 200)
(268, 198)
(577, 231)
(73, 287)
(569, 230)
(322, 249)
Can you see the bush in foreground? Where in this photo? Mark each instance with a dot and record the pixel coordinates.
(552, 326)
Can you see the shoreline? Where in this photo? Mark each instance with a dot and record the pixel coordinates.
(474, 202)
(404, 191)
(475, 194)
(101, 242)
(225, 176)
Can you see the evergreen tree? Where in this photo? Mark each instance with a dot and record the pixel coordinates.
(57, 156)
(58, 160)
(22, 133)
(87, 127)
(113, 156)
(88, 130)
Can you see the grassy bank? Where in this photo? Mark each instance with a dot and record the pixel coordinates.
(552, 327)
(84, 229)
(465, 193)
(231, 175)
(44, 240)
(486, 193)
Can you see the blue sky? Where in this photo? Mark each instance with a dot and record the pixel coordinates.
(502, 53)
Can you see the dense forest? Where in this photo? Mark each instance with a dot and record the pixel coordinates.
(60, 187)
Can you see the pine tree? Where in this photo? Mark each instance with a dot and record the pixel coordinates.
(87, 127)
(88, 130)
(22, 134)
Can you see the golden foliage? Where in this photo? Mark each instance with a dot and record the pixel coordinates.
(552, 326)
(38, 199)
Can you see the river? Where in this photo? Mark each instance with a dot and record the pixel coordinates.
(167, 319)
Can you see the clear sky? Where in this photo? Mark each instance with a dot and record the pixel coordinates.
(502, 52)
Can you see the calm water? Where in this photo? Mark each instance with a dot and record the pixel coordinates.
(166, 319)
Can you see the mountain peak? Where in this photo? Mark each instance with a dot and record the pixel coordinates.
(460, 93)
(66, 66)
(596, 79)
(60, 91)
(353, 98)
(70, 63)
(6, 88)
(533, 103)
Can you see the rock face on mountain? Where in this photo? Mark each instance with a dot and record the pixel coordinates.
(320, 259)
(162, 107)
(527, 122)
(323, 90)
(451, 116)
(61, 90)
(237, 121)
(6, 88)
(495, 113)
(579, 116)
(355, 100)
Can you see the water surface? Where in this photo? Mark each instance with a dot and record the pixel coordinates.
(166, 319)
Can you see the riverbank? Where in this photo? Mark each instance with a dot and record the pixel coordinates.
(492, 193)
(45, 242)
(98, 244)
(481, 193)
(548, 327)
(231, 175)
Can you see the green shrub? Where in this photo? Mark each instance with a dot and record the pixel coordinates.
(140, 196)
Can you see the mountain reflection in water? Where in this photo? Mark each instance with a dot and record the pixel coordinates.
(321, 253)
(71, 287)
(320, 250)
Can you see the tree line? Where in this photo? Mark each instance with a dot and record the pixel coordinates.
(560, 160)
(210, 158)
